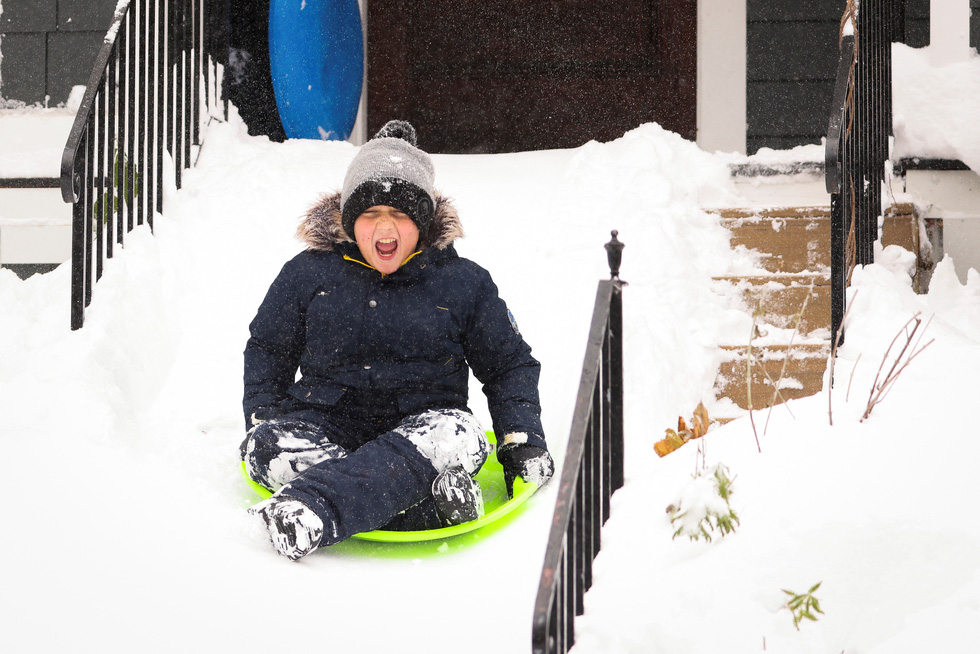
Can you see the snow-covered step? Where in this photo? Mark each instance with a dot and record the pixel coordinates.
(787, 239)
(35, 224)
(802, 376)
(35, 228)
(781, 297)
(797, 239)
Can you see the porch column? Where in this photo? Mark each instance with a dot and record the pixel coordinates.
(949, 31)
(721, 75)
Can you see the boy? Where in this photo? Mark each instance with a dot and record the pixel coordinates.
(383, 320)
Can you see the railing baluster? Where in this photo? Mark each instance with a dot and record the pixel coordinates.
(86, 202)
(578, 539)
(170, 81)
(185, 65)
(568, 633)
(112, 96)
(152, 132)
(161, 121)
(79, 266)
(179, 131)
(118, 165)
(99, 203)
(196, 71)
(141, 112)
(128, 161)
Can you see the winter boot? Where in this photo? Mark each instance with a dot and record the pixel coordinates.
(293, 527)
(458, 497)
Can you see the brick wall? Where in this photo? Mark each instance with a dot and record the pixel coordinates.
(49, 46)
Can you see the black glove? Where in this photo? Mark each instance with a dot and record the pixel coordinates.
(256, 418)
(529, 462)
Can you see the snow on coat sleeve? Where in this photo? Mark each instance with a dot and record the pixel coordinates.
(502, 361)
(274, 348)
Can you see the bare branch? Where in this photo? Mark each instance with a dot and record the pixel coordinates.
(880, 391)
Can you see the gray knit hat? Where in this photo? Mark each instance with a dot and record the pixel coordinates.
(390, 170)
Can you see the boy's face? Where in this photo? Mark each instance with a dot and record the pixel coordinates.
(386, 237)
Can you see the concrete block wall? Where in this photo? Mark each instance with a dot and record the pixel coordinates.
(49, 46)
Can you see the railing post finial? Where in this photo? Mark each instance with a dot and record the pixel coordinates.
(614, 252)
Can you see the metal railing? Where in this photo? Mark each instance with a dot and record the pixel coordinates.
(857, 147)
(592, 471)
(138, 125)
(29, 182)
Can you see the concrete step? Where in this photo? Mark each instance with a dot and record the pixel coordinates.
(781, 297)
(35, 227)
(805, 365)
(787, 239)
(797, 239)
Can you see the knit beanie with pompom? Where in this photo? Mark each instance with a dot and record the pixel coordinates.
(390, 170)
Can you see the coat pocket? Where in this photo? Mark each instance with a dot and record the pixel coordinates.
(316, 393)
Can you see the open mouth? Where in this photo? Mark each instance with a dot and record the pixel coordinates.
(386, 247)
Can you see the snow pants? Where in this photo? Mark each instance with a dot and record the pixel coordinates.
(361, 474)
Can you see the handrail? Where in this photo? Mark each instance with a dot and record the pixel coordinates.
(136, 125)
(838, 109)
(70, 180)
(592, 472)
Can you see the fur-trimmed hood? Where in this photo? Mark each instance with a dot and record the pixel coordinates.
(322, 228)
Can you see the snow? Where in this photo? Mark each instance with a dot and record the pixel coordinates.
(927, 123)
(125, 526)
(33, 140)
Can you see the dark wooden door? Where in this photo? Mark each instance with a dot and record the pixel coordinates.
(507, 75)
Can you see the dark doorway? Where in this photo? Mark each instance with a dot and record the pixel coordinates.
(508, 75)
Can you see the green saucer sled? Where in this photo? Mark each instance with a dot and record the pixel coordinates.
(495, 501)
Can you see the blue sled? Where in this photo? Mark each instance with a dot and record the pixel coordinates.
(316, 52)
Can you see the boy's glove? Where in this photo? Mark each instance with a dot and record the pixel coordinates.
(529, 462)
(260, 415)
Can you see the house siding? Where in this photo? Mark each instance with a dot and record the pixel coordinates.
(791, 60)
(49, 46)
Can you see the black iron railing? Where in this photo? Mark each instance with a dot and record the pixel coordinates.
(154, 82)
(857, 147)
(592, 471)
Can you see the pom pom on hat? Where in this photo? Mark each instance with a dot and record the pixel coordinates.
(390, 170)
(398, 129)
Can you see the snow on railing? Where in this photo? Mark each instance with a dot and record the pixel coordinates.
(153, 85)
(592, 471)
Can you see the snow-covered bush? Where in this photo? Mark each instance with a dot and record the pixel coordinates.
(704, 505)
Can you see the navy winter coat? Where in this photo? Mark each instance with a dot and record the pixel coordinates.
(413, 334)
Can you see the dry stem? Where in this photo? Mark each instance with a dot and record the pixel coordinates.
(782, 372)
(879, 392)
